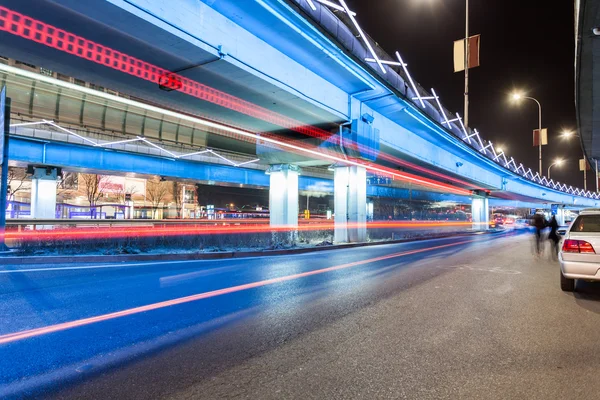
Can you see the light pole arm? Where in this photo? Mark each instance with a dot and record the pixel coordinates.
(539, 111)
(539, 133)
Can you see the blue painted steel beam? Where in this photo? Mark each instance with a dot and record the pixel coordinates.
(79, 157)
(38, 152)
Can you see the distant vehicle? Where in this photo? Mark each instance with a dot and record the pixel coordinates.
(522, 223)
(254, 211)
(577, 255)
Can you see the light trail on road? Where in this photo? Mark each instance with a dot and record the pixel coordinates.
(17, 336)
(185, 230)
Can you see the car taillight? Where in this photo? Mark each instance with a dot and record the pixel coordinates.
(585, 247)
(577, 246)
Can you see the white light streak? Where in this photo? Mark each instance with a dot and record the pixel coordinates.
(194, 153)
(117, 142)
(143, 139)
(362, 35)
(29, 123)
(248, 162)
(462, 126)
(412, 83)
(437, 100)
(69, 132)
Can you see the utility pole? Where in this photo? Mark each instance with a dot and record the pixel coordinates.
(540, 135)
(585, 164)
(597, 176)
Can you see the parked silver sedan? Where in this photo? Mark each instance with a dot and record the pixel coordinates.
(577, 255)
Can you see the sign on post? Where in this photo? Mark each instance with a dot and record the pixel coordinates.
(459, 53)
(584, 165)
(540, 134)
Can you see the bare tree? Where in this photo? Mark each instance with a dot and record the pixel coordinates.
(177, 194)
(94, 188)
(156, 191)
(66, 187)
(17, 180)
(122, 193)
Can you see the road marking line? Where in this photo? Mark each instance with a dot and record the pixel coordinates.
(16, 336)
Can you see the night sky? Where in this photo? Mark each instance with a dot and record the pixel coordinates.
(525, 44)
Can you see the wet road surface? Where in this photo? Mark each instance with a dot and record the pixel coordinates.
(466, 317)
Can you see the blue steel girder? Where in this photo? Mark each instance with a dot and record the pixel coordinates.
(26, 151)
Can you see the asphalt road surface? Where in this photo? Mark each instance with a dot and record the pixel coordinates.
(471, 317)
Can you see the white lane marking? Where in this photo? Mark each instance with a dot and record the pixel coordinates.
(142, 264)
(171, 280)
(496, 270)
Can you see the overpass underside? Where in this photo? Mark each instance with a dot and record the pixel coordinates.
(126, 80)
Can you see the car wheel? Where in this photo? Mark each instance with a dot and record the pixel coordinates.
(566, 284)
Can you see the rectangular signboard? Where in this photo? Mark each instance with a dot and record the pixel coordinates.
(459, 53)
(554, 208)
(584, 165)
(2, 107)
(540, 135)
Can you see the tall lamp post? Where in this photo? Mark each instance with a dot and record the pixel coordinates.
(558, 161)
(568, 135)
(466, 111)
(518, 97)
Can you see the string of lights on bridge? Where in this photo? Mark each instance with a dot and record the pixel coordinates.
(474, 140)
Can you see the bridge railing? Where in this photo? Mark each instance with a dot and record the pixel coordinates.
(348, 34)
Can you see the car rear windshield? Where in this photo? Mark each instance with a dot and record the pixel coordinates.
(586, 223)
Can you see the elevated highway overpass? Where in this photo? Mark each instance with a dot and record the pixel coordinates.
(290, 78)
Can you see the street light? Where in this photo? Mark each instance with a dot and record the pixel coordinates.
(558, 161)
(518, 97)
(568, 134)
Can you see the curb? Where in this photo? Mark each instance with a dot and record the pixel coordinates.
(21, 260)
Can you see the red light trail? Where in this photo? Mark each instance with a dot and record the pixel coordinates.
(48, 35)
(17, 336)
(183, 230)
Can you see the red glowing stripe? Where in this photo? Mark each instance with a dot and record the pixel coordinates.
(51, 36)
(48, 35)
(17, 336)
(171, 231)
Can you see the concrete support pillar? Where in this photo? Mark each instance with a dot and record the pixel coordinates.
(480, 213)
(283, 195)
(350, 201)
(43, 193)
(560, 216)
